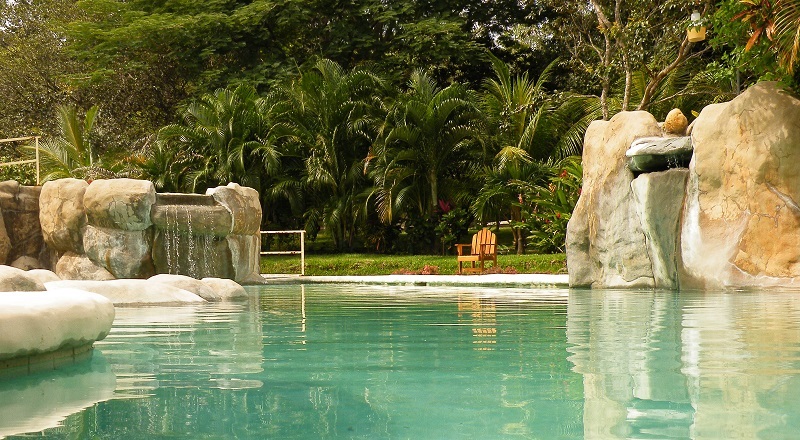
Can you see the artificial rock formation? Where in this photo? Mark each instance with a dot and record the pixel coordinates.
(131, 292)
(675, 123)
(218, 233)
(20, 233)
(120, 228)
(604, 236)
(14, 280)
(40, 322)
(729, 220)
(741, 219)
(62, 214)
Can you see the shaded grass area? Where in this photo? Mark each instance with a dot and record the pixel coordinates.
(373, 264)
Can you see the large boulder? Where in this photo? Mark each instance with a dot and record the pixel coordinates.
(126, 254)
(5, 241)
(43, 275)
(741, 219)
(19, 206)
(225, 288)
(13, 280)
(243, 204)
(120, 203)
(131, 292)
(244, 240)
(8, 194)
(62, 214)
(606, 245)
(184, 282)
(40, 322)
(659, 199)
(72, 266)
(26, 263)
(210, 289)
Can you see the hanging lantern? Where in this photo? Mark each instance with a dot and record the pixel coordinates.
(696, 31)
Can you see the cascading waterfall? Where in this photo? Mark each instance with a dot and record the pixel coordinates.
(192, 256)
(194, 237)
(189, 246)
(208, 252)
(171, 239)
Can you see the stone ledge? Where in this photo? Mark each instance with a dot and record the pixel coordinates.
(44, 330)
(33, 363)
(488, 280)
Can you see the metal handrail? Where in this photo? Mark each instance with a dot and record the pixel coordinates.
(21, 162)
(302, 250)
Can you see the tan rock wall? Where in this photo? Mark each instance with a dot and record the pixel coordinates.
(739, 210)
(741, 223)
(605, 242)
(113, 229)
(19, 206)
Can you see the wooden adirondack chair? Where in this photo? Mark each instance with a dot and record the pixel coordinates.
(483, 248)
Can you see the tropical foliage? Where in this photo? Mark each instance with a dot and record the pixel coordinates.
(330, 112)
(73, 153)
(393, 125)
(549, 206)
(428, 138)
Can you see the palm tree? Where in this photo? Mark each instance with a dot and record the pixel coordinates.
(429, 139)
(524, 132)
(779, 22)
(72, 154)
(224, 137)
(330, 113)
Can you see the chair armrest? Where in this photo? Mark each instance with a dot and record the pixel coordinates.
(460, 248)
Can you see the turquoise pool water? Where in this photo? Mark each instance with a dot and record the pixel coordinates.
(386, 362)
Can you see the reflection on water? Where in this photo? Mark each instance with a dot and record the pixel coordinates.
(481, 314)
(39, 401)
(670, 365)
(207, 345)
(423, 362)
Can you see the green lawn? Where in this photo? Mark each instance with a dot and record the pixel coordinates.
(373, 264)
(321, 259)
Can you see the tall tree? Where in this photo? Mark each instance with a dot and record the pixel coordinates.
(33, 64)
(226, 137)
(429, 142)
(521, 133)
(630, 48)
(330, 112)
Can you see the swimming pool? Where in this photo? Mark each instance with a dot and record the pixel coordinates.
(322, 361)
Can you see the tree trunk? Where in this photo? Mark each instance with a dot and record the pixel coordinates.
(519, 237)
(434, 192)
(655, 80)
(626, 98)
(606, 79)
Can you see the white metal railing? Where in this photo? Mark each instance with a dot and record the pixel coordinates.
(20, 162)
(302, 250)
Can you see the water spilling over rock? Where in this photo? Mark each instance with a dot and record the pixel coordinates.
(718, 209)
(121, 228)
